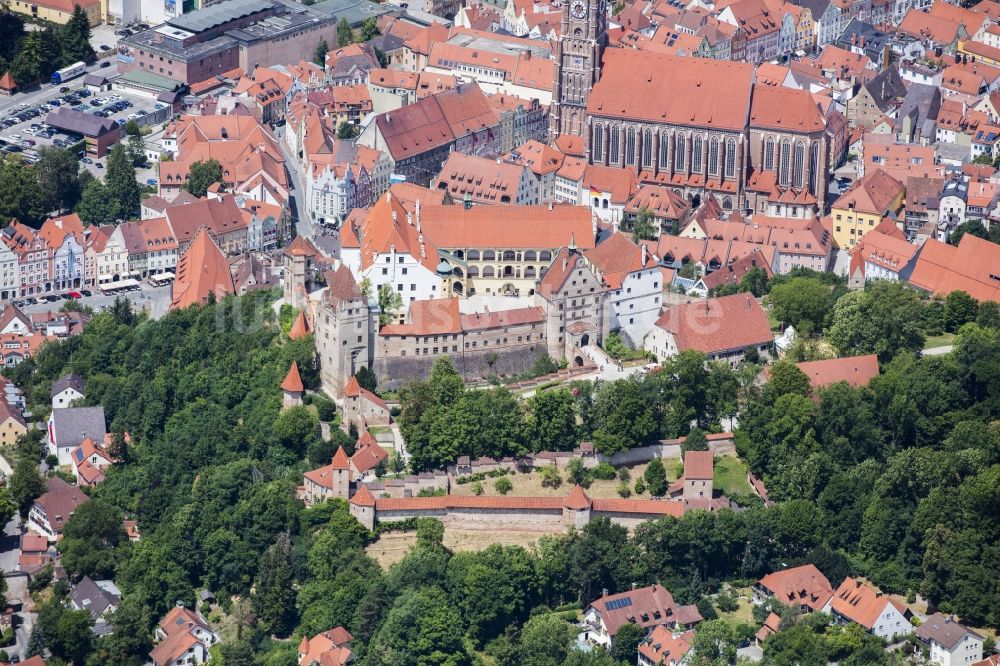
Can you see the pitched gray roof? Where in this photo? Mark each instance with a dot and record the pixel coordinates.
(74, 424)
(68, 381)
(88, 596)
(942, 629)
(80, 122)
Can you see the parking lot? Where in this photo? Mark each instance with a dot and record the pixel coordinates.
(23, 129)
(155, 300)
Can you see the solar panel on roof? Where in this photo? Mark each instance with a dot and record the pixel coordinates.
(615, 604)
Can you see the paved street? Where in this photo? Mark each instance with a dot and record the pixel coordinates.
(156, 300)
(296, 188)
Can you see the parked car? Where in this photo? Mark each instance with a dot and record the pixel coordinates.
(85, 292)
(105, 47)
(86, 160)
(75, 294)
(98, 165)
(83, 92)
(151, 182)
(106, 63)
(64, 89)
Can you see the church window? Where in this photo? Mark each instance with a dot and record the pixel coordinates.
(613, 150)
(713, 156)
(630, 146)
(647, 149)
(814, 167)
(679, 163)
(731, 158)
(768, 153)
(598, 149)
(797, 165)
(696, 154)
(664, 152)
(785, 162)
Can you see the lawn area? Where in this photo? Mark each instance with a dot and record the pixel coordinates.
(392, 546)
(942, 340)
(743, 614)
(530, 485)
(731, 476)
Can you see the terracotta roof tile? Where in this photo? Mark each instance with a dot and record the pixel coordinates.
(202, 270)
(699, 465)
(799, 586)
(717, 324)
(860, 603)
(293, 382)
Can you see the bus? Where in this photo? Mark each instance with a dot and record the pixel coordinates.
(67, 73)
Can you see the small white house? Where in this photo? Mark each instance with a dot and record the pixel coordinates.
(950, 643)
(878, 613)
(67, 390)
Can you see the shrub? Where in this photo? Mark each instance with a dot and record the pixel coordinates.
(550, 477)
(503, 485)
(578, 474)
(726, 602)
(326, 410)
(656, 478)
(477, 488)
(623, 474)
(623, 490)
(640, 486)
(604, 471)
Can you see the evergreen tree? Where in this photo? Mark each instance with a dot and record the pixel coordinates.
(274, 596)
(25, 484)
(656, 478)
(345, 35)
(76, 38)
(122, 186)
(26, 68)
(321, 51)
(58, 174)
(11, 33)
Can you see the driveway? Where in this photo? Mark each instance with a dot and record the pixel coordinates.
(10, 545)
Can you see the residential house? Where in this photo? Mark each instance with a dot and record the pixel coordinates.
(9, 271)
(875, 98)
(35, 554)
(803, 587)
(13, 320)
(607, 190)
(668, 210)
(90, 460)
(939, 268)
(329, 648)
(649, 607)
(33, 258)
(202, 272)
(666, 647)
(49, 513)
(879, 614)
(724, 329)
(471, 180)
(12, 424)
(66, 390)
(543, 161)
(863, 206)
(183, 637)
(99, 598)
(632, 282)
(950, 643)
(882, 254)
(69, 426)
(856, 371)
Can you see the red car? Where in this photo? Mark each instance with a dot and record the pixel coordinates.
(75, 294)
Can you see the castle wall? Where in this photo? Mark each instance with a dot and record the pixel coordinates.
(472, 366)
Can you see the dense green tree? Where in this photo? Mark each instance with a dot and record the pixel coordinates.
(714, 643)
(644, 225)
(90, 538)
(367, 379)
(25, 484)
(389, 301)
(369, 29)
(345, 35)
(120, 181)
(624, 416)
(656, 478)
(274, 597)
(347, 130)
(66, 632)
(552, 421)
(546, 640)
(959, 309)
(989, 315)
(21, 196)
(75, 38)
(202, 175)
(57, 171)
(883, 319)
(784, 378)
(802, 302)
(421, 628)
(627, 641)
(694, 441)
(321, 50)
(96, 206)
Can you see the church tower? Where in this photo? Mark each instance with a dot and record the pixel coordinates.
(584, 30)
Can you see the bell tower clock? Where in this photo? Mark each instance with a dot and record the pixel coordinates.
(578, 56)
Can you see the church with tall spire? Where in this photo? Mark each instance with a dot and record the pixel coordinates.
(584, 36)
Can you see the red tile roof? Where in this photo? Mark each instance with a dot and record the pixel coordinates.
(363, 497)
(860, 603)
(874, 194)
(672, 90)
(799, 586)
(340, 459)
(785, 109)
(646, 606)
(299, 328)
(699, 465)
(577, 499)
(293, 382)
(202, 270)
(368, 457)
(855, 370)
(664, 646)
(971, 267)
(617, 257)
(717, 324)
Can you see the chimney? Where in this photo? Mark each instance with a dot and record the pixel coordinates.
(748, 302)
(550, 205)
(604, 592)
(409, 218)
(394, 219)
(645, 253)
